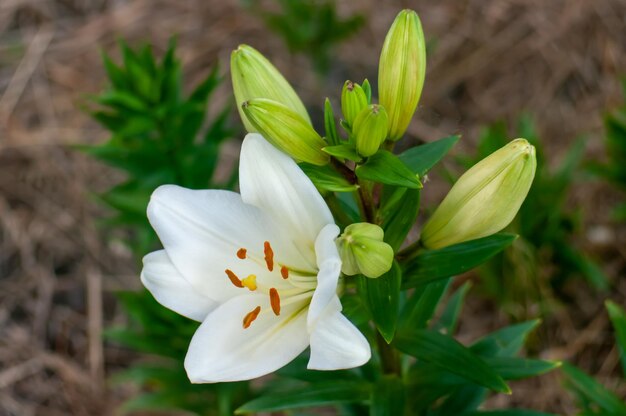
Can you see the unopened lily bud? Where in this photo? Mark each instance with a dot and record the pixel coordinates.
(370, 129)
(363, 251)
(401, 71)
(286, 129)
(254, 76)
(485, 199)
(353, 100)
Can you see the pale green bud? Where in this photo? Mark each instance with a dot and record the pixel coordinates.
(401, 71)
(353, 100)
(370, 129)
(254, 76)
(363, 251)
(485, 199)
(286, 130)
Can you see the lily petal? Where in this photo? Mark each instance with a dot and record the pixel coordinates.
(171, 289)
(336, 343)
(202, 231)
(272, 181)
(329, 264)
(222, 350)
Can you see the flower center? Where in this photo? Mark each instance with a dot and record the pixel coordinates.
(250, 282)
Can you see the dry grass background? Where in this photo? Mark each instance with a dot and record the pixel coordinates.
(491, 59)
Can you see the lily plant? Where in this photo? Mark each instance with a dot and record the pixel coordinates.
(323, 219)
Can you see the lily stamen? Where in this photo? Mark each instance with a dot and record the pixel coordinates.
(269, 255)
(250, 317)
(233, 278)
(275, 301)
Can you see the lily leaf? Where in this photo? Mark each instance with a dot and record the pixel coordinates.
(385, 167)
(431, 265)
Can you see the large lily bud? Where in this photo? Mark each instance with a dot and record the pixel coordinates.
(353, 100)
(370, 129)
(254, 76)
(363, 250)
(286, 129)
(485, 199)
(401, 71)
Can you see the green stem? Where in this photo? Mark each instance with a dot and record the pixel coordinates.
(367, 202)
(389, 357)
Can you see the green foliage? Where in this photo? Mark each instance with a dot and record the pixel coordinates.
(591, 396)
(614, 169)
(159, 136)
(310, 27)
(547, 227)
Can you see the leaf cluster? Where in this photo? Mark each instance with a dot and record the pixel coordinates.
(310, 27)
(158, 135)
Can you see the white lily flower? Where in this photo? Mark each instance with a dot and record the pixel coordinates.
(260, 271)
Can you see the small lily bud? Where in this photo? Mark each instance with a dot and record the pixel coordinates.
(254, 76)
(353, 100)
(401, 71)
(370, 129)
(485, 199)
(286, 130)
(363, 250)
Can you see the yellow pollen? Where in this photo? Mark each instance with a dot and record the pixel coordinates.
(250, 282)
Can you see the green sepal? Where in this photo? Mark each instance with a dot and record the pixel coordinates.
(343, 151)
(326, 178)
(314, 394)
(382, 298)
(431, 265)
(445, 352)
(329, 124)
(385, 167)
(421, 159)
(388, 397)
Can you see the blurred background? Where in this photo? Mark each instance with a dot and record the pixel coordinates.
(497, 69)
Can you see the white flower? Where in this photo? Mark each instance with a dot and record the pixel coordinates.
(259, 270)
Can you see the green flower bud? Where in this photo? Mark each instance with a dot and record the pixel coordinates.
(401, 71)
(254, 76)
(362, 250)
(485, 199)
(353, 100)
(286, 130)
(370, 129)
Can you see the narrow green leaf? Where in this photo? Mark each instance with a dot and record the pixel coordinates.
(326, 178)
(422, 304)
(421, 159)
(318, 394)
(445, 352)
(515, 368)
(121, 100)
(618, 318)
(343, 151)
(388, 397)
(586, 388)
(505, 342)
(431, 265)
(385, 167)
(449, 318)
(382, 297)
(329, 124)
(398, 222)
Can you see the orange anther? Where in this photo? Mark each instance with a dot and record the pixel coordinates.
(233, 278)
(241, 253)
(275, 301)
(250, 317)
(284, 272)
(269, 256)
